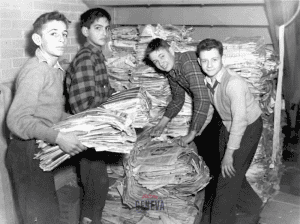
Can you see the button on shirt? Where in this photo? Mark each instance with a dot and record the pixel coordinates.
(87, 80)
(187, 77)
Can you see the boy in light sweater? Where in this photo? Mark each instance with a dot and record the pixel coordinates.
(238, 139)
(37, 105)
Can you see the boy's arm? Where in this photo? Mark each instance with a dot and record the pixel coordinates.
(236, 91)
(83, 88)
(178, 97)
(20, 118)
(201, 101)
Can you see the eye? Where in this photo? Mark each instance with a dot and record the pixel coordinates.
(65, 34)
(55, 34)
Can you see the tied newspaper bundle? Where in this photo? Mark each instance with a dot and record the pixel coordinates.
(99, 128)
(133, 101)
(172, 173)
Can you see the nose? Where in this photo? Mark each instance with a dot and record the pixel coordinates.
(209, 64)
(62, 38)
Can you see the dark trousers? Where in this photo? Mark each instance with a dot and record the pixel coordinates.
(236, 191)
(34, 189)
(208, 148)
(94, 184)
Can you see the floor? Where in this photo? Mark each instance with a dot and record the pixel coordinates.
(284, 208)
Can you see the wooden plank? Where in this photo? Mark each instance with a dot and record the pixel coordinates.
(96, 3)
(221, 33)
(210, 16)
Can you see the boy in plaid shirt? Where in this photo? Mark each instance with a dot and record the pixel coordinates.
(87, 87)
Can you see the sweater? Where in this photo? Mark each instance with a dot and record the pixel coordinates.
(38, 102)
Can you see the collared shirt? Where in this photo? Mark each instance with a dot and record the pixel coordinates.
(38, 102)
(87, 80)
(235, 104)
(186, 76)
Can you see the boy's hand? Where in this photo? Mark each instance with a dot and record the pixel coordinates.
(69, 143)
(157, 131)
(160, 127)
(185, 140)
(227, 164)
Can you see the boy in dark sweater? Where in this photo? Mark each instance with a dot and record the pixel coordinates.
(37, 105)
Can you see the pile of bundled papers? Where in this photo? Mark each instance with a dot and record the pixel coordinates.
(123, 59)
(99, 128)
(248, 57)
(164, 176)
(131, 101)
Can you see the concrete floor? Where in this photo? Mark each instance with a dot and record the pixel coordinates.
(284, 208)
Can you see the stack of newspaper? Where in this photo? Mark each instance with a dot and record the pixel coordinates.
(122, 59)
(165, 175)
(99, 128)
(132, 101)
(248, 57)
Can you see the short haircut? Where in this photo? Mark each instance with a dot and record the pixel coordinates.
(208, 44)
(88, 17)
(154, 45)
(47, 17)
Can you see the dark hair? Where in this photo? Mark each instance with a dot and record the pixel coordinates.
(154, 45)
(88, 17)
(46, 17)
(208, 44)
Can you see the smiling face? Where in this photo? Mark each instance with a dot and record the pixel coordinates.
(210, 61)
(52, 39)
(163, 59)
(98, 32)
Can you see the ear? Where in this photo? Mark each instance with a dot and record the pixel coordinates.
(171, 51)
(198, 59)
(84, 31)
(37, 39)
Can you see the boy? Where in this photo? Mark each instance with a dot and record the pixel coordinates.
(184, 75)
(37, 105)
(238, 140)
(87, 87)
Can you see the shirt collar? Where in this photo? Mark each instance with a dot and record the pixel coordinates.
(41, 58)
(94, 48)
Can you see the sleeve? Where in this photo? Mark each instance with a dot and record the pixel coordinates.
(236, 91)
(82, 88)
(201, 101)
(178, 97)
(20, 119)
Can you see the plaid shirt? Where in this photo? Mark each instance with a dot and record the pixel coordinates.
(187, 76)
(87, 80)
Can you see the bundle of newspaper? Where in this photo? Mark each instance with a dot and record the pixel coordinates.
(133, 101)
(249, 58)
(99, 128)
(122, 59)
(166, 174)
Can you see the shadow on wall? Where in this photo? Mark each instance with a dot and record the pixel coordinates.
(30, 45)
(80, 38)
